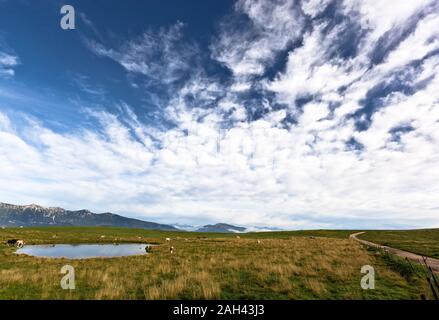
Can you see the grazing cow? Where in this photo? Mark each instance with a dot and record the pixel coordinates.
(259, 241)
(20, 244)
(168, 239)
(12, 242)
(102, 237)
(148, 248)
(171, 249)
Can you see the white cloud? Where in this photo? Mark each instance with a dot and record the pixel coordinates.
(314, 7)
(271, 27)
(160, 56)
(84, 84)
(289, 167)
(381, 15)
(7, 63)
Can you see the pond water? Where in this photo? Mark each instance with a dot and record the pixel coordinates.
(84, 251)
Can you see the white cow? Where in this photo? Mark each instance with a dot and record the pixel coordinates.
(168, 239)
(19, 243)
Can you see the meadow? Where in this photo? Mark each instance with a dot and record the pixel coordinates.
(281, 265)
(422, 241)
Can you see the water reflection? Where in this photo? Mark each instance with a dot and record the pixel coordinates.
(84, 251)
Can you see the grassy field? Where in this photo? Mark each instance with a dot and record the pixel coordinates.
(425, 241)
(284, 265)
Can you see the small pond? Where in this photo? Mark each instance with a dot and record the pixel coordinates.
(84, 251)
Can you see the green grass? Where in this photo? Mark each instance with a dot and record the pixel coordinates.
(409, 270)
(284, 265)
(424, 242)
(92, 234)
(339, 234)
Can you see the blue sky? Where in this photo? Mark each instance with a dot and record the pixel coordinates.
(290, 114)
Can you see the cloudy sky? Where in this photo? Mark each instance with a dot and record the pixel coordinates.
(290, 114)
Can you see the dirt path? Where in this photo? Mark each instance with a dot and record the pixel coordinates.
(432, 262)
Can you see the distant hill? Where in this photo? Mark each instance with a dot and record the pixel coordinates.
(34, 215)
(221, 227)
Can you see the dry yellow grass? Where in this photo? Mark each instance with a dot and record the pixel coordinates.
(229, 268)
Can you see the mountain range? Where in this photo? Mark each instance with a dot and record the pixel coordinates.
(221, 227)
(34, 215)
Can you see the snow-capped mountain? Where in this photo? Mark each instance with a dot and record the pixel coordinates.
(35, 215)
